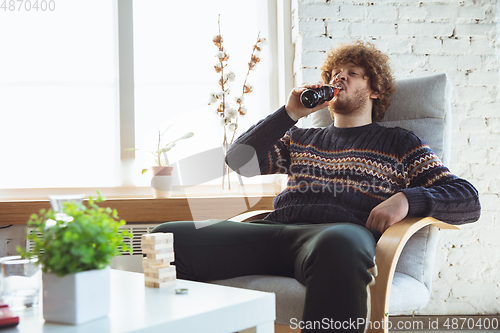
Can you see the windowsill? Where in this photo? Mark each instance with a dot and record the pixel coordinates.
(143, 208)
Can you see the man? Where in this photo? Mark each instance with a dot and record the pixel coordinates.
(347, 183)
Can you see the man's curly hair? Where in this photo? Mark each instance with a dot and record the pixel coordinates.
(376, 66)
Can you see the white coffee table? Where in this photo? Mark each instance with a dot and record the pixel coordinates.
(205, 308)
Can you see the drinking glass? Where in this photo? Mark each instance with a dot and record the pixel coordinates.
(20, 282)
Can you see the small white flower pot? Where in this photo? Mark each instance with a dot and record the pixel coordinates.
(162, 170)
(76, 298)
(162, 186)
(161, 183)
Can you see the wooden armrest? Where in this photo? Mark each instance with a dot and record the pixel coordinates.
(387, 253)
(251, 216)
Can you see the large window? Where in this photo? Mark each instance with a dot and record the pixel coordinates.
(174, 59)
(59, 85)
(57, 107)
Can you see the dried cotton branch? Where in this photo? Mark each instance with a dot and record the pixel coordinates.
(229, 115)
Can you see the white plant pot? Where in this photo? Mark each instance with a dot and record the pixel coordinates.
(76, 298)
(162, 186)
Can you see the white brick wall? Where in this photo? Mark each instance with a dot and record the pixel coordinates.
(425, 37)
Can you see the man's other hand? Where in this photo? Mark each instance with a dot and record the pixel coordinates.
(388, 212)
(294, 107)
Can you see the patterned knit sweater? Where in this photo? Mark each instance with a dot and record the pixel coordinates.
(341, 174)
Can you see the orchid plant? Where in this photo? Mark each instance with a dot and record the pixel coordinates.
(163, 149)
(229, 115)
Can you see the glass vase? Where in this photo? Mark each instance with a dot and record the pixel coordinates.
(230, 182)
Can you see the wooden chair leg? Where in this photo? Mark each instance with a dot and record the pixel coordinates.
(284, 329)
(387, 253)
(277, 329)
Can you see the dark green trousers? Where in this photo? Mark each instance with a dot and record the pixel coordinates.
(331, 260)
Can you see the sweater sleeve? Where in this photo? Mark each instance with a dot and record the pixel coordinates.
(432, 190)
(267, 142)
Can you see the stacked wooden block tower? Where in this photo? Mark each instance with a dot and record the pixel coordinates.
(159, 250)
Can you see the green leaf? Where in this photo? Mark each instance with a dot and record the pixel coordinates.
(144, 171)
(68, 237)
(88, 242)
(185, 136)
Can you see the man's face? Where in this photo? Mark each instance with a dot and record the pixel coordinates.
(355, 93)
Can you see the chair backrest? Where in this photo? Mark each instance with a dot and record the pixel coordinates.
(421, 105)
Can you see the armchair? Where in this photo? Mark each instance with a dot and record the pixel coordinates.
(405, 252)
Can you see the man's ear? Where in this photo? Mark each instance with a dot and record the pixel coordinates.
(374, 95)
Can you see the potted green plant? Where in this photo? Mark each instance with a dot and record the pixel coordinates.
(161, 181)
(75, 247)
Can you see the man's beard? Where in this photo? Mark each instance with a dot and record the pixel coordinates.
(349, 105)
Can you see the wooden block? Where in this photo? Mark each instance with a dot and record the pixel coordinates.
(159, 280)
(160, 241)
(148, 265)
(157, 238)
(157, 275)
(161, 248)
(160, 258)
(160, 285)
(155, 246)
(159, 270)
(166, 255)
(164, 260)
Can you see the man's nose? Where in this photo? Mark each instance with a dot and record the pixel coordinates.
(339, 77)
